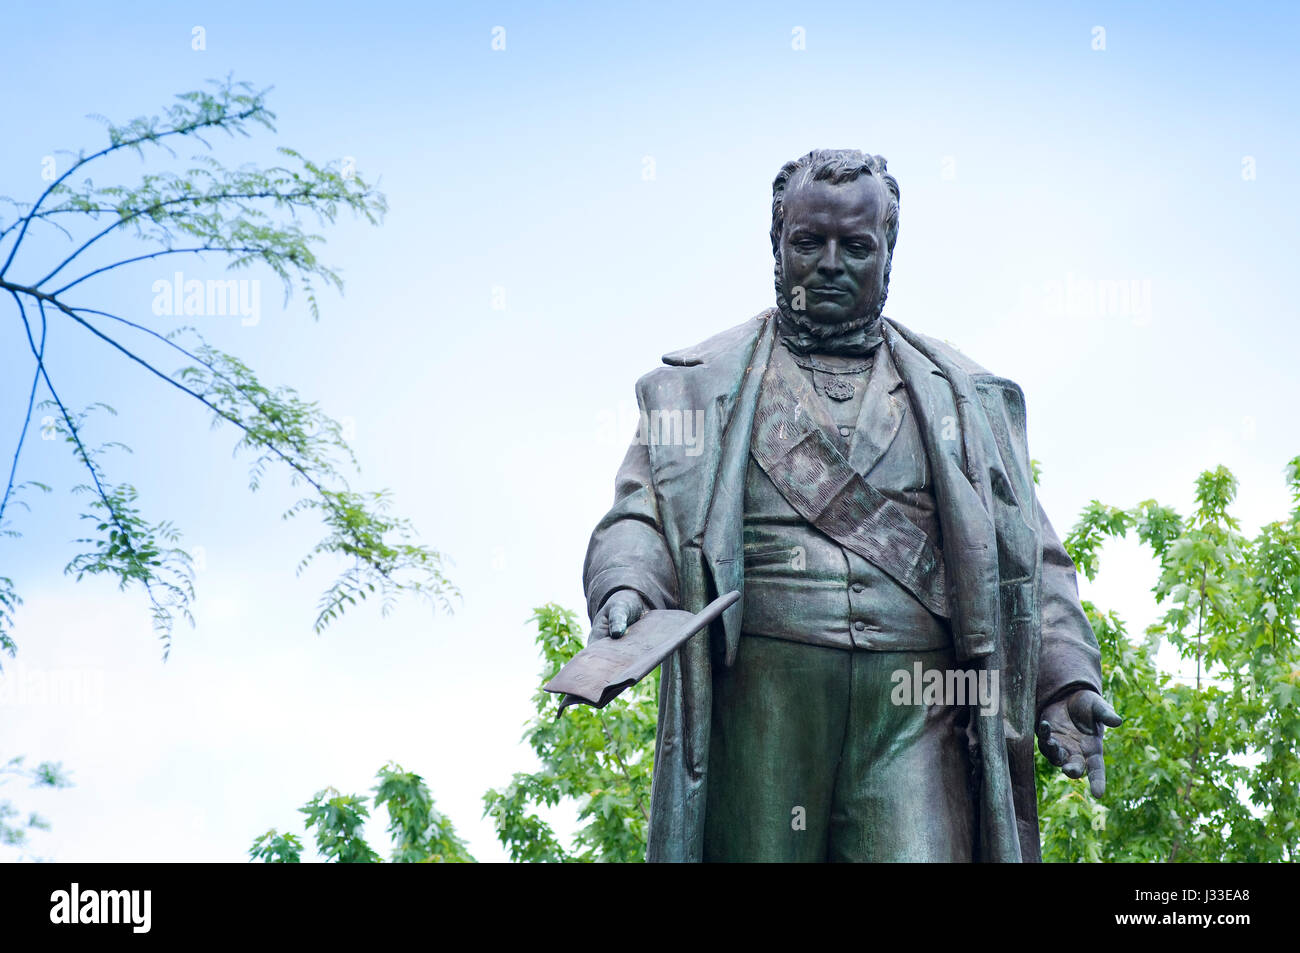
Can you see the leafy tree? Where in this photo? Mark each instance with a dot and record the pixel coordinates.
(419, 833)
(276, 848)
(246, 216)
(1207, 765)
(14, 826)
(598, 761)
(601, 760)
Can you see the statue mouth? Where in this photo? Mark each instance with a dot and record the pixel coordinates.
(825, 327)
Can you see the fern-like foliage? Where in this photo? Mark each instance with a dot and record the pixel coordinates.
(244, 216)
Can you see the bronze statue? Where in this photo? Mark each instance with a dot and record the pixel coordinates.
(909, 620)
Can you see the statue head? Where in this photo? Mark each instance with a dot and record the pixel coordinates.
(834, 224)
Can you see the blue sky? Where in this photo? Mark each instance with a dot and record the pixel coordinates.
(1032, 168)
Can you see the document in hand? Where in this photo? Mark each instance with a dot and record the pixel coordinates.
(607, 667)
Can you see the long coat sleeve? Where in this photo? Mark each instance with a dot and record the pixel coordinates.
(1069, 658)
(627, 549)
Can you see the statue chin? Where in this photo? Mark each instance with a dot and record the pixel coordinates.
(824, 329)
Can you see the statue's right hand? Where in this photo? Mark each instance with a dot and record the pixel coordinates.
(620, 610)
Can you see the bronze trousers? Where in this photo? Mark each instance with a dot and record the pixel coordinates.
(810, 760)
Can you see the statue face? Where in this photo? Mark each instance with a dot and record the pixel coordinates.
(833, 245)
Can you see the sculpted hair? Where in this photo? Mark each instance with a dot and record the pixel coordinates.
(836, 166)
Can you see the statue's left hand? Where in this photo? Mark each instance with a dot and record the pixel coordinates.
(1069, 736)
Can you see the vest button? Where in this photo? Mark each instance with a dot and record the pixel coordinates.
(859, 587)
(859, 625)
(846, 431)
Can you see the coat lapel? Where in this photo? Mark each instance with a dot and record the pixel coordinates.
(729, 371)
(881, 415)
(949, 416)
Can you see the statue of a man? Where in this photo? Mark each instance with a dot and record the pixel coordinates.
(909, 620)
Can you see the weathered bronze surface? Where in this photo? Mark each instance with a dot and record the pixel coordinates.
(909, 620)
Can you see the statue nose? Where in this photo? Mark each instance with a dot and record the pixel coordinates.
(830, 260)
(830, 269)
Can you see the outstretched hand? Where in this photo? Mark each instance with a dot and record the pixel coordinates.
(620, 610)
(1069, 736)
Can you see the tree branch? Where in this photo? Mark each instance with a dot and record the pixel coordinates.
(222, 119)
(360, 547)
(224, 414)
(85, 456)
(130, 261)
(159, 206)
(27, 417)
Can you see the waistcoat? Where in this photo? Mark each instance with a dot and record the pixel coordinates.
(800, 584)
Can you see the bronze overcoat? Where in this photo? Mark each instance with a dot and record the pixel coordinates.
(675, 534)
